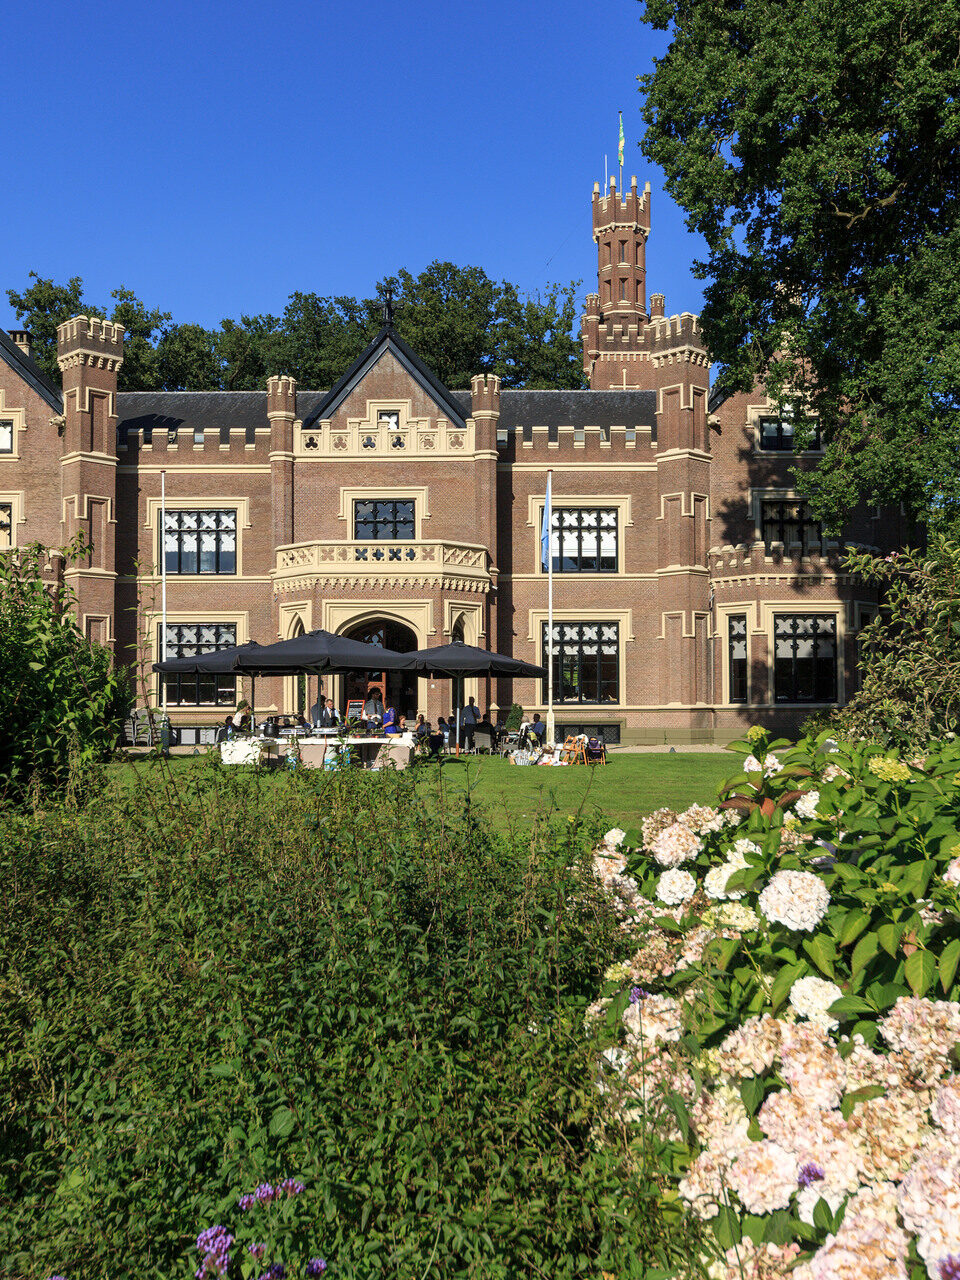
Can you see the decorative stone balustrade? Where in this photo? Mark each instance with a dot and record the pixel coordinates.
(426, 437)
(367, 562)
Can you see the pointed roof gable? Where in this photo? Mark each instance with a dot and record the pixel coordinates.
(388, 340)
(31, 373)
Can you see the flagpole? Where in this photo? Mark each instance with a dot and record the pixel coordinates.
(163, 587)
(620, 154)
(551, 721)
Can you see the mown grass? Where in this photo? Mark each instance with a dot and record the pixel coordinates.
(516, 797)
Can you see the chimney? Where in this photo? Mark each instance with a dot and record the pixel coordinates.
(658, 305)
(22, 338)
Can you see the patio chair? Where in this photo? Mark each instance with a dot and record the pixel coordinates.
(482, 742)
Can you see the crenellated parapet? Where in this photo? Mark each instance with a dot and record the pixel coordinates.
(614, 210)
(281, 397)
(85, 341)
(485, 396)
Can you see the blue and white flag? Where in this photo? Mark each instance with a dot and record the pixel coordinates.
(545, 530)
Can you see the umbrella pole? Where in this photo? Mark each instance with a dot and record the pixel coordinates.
(253, 705)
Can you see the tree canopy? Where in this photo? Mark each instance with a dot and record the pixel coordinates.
(814, 145)
(458, 320)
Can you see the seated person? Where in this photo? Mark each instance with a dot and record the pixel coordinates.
(390, 720)
(444, 729)
(303, 724)
(243, 724)
(594, 750)
(421, 729)
(226, 730)
(372, 714)
(538, 729)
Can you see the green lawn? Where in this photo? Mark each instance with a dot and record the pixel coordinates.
(627, 787)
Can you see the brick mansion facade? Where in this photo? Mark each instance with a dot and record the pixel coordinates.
(693, 592)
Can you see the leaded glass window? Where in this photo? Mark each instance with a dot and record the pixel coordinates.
(384, 521)
(790, 522)
(737, 643)
(584, 539)
(586, 661)
(777, 435)
(805, 657)
(186, 640)
(200, 541)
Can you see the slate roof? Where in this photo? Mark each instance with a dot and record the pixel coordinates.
(222, 410)
(520, 409)
(30, 372)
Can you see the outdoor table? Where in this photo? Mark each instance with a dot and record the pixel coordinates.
(315, 750)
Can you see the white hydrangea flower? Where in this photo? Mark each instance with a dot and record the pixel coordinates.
(806, 806)
(738, 854)
(810, 1197)
(715, 882)
(731, 915)
(614, 838)
(797, 899)
(811, 998)
(675, 844)
(752, 765)
(676, 886)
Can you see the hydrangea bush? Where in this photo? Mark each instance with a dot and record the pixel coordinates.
(789, 1019)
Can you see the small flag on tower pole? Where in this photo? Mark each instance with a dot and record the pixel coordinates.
(620, 151)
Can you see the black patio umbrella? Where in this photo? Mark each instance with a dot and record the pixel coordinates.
(310, 654)
(458, 660)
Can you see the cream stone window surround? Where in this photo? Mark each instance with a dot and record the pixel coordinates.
(768, 610)
(417, 494)
(724, 612)
(177, 502)
(150, 620)
(536, 618)
(15, 500)
(767, 410)
(17, 415)
(623, 504)
(773, 494)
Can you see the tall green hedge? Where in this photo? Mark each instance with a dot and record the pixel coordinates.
(61, 703)
(206, 986)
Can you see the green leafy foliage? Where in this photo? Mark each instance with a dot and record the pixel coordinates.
(208, 986)
(458, 320)
(61, 702)
(910, 653)
(814, 147)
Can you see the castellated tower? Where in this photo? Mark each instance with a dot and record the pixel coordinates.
(90, 353)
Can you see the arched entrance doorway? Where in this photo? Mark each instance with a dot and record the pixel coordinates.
(397, 687)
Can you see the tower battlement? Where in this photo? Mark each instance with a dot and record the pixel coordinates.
(615, 209)
(89, 341)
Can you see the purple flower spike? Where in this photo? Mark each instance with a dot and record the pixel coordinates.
(950, 1267)
(809, 1173)
(637, 994)
(276, 1272)
(291, 1186)
(214, 1244)
(247, 1201)
(257, 1251)
(316, 1267)
(264, 1193)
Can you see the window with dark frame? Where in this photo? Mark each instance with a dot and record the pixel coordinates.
(789, 521)
(805, 657)
(737, 646)
(387, 520)
(777, 435)
(200, 541)
(6, 437)
(6, 526)
(583, 540)
(186, 640)
(586, 662)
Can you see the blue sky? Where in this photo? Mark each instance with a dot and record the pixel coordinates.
(216, 155)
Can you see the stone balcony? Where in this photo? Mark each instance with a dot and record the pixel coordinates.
(363, 563)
